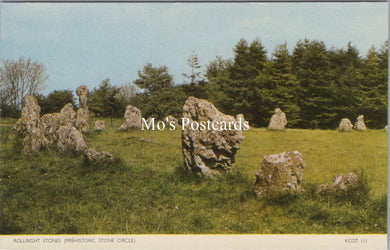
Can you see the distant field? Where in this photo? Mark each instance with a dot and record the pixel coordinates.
(146, 191)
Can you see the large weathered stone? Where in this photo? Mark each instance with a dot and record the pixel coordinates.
(132, 117)
(82, 93)
(82, 120)
(28, 126)
(50, 124)
(170, 120)
(69, 138)
(68, 115)
(280, 173)
(98, 157)
(278, 120)
(359, 125)
(341, 184)
(345, 125)
(208, 152)
(99, 126)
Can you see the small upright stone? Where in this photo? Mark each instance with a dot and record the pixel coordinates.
(386, 128)
(208, 152)
(132, 117)
(278, 120)
(345, 125)
(341, 184)
(170, 120)
(280, 173)
(359, 125)
(99, 126)
(240, 117)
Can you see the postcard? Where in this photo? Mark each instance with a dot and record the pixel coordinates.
(194, 125)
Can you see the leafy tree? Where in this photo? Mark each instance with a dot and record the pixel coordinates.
(159, 97)
(55, 101)
(103, 101)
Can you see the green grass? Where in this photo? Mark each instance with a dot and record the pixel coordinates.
(147, 191)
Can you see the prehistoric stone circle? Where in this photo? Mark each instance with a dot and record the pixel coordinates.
(208, 152)
(99, 126)
(82, 120)
(170, 119)
(83, 111)
(278, 120)
(280, 173)
(341, 184)
(359, 125)
(345, 125)
(98, 157)
(132, 117)
(82, 93)
(29, 127)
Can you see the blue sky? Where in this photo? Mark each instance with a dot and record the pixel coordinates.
(86, 43)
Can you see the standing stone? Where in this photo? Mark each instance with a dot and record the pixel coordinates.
(82, 120)
(240, 117)
(82, 93)
(387, 128)
(69, 138)
(359, 125)
(341, 184)
(170, 119)
(68, 115)
(278, 120)
(280, 173)
(99, 126)
(98, 157)
(132, 117)
(28, 126)
(50, 124)
(82, 112)
(345, 125)
(208, 152)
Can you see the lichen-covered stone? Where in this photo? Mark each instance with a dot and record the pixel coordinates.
(208, 152)
(340, 184)
(29, 127)
(50, 124)
(68, 115)
(359, 125)
(82, 93)
(345, 125)
(82, 120)
(132, 117)
(280, 173)
(69, 138)
(99, 126)
(98, 157)
(278, 120)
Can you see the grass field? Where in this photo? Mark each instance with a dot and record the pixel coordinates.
(147, 191)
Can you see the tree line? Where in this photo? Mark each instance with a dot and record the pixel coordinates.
(315, 86)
